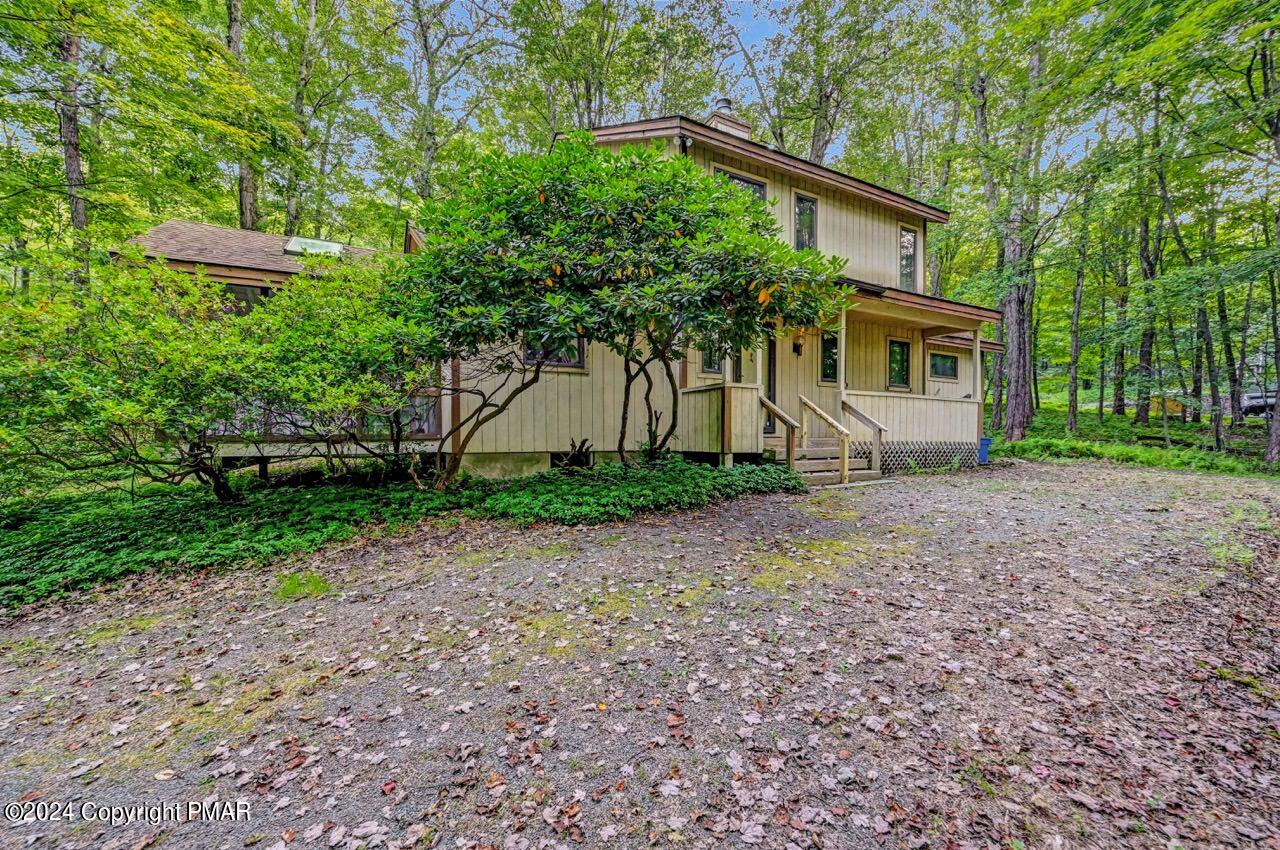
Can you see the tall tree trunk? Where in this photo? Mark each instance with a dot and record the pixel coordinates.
(1013, 213)
(1177, 360)
(1119, 367)
(1033, 348)
(1224, 330)
(1150, 248)
(1077, 296)
(1233, 378)
(246, 177)
(1197, 376)
(1017, 364)
(944, 180)
(1273, 435)
(1102, 341)
(68, 108)
(1148, 258)
(1241, 365)
(306, 64)
(1210, 364)
(1234, 398)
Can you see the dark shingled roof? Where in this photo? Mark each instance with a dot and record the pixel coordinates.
(211, 244)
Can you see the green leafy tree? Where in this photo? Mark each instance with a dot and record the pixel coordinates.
(134, 375)
(330, 364)
(115, 112)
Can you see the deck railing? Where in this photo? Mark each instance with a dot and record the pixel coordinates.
(260, 423)
(878, 432)
(792, 426)
(919, 418)
(842, 433)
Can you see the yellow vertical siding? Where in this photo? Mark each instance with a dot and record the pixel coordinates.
(569, 404)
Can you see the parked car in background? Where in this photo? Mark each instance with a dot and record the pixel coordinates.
(1260, 403)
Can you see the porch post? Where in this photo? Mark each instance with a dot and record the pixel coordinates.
(840, 354)
(977, 375)
(726, 414)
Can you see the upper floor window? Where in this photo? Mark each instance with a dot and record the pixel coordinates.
(755, 187)
(907, 251)
(574, 358)
(806, 222)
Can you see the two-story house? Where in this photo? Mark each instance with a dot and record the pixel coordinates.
(897, 382)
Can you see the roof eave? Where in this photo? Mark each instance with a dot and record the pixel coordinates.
(671, 126)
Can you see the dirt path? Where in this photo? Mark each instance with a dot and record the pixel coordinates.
(1038, 656)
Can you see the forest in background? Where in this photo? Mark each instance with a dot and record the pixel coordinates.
(1111, 169)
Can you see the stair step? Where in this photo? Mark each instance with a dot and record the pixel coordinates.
(819, 452)
(824, 479)
(827, 464)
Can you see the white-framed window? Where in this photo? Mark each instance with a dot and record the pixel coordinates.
(908, 257)
(754, 185)
(943, 366)
(899, 364)
(806, 221)
(574, 358)
(829, 357)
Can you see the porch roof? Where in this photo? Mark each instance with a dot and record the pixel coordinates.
(932, 303)
(965, 341)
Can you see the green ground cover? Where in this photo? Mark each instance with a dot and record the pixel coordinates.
(1119, 439)
(74, 540)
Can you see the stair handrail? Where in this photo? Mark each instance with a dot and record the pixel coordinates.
(842, 433)
(790, 424)
(877, 431)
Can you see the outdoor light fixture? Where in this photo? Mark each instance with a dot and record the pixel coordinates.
(797, 346)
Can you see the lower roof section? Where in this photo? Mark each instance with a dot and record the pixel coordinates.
(933, 303)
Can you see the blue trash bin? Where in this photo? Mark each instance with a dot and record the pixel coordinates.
(984, 446)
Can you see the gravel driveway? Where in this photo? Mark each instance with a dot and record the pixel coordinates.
(1026, 655)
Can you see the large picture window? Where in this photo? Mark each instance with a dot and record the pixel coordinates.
(755, 187)
(829, 359)
(899, 363)
(907, 250)
(574, 358)
(806, 222)
(945, 367)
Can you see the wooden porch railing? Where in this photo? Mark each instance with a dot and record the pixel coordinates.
(877, 431)
(790, 424)
(841, 432)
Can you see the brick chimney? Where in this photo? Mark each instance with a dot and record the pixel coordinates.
(723, 118)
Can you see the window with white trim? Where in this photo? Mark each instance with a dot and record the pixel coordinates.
(944, 367)
(907, 258)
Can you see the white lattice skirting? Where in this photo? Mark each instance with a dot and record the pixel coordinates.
(902, 456)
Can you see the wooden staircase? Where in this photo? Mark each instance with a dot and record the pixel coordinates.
(823, 461)
(819, 463)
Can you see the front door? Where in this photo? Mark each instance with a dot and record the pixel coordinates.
(771, 381)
